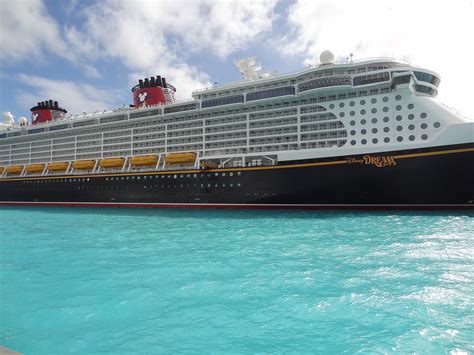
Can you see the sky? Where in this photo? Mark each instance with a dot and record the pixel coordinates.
(87, 55)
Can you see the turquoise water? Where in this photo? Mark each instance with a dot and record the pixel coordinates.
(180, 281)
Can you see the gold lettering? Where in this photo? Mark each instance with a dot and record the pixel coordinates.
(378, 161)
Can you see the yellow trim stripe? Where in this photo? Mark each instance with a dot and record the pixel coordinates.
(192, 171)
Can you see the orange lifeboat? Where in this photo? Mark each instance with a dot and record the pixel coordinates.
(14, 169)
(35, 168)
(180, 158)
(112, 162)
(144, 160)
(83, 164)
(58, 166)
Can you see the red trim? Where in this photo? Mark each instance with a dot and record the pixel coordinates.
(245, 206)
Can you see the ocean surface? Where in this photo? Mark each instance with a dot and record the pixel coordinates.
(121, 281)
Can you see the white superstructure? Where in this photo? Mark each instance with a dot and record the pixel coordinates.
(369, 106)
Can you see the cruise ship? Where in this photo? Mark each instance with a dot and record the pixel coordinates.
(366, 134)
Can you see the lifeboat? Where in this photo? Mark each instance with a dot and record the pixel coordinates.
(83, 164)
(180, 158)
(14, 169)
(144, 160)
(112, 162)
(58, 166)
(35, 168)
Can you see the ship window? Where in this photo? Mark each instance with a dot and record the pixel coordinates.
(385, 99)
(386, 140)
(374, 120)
(424, 126)
(353, 142)
(331, 106)
(342, 114)
(341, 105)
(352, 113)
(226, 100)
(412, 138)
(352, 103)
(400, 139)
(398, 107)
(374, 110)
(411, 116)
(375, 140)
(424, 137)
(363, 121)
(374, 130)
(410, 106)
(373, 101)
(353, 133)
(411, 127)
(423, 115)
(362, 112)
(363, 141)
(386, 129)
(399, 118)
(362, 102)
(386, 119)
(398, 97)
(385, 109)
(399, 128)
(426, 77)
(363, 131)
(436, 125)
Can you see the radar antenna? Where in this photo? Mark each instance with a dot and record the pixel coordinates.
(250, 69)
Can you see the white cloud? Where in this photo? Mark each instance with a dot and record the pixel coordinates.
(433, 34)
(74, 97)
(155, 37)
(27, 31)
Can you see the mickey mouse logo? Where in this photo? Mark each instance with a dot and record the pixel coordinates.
(142, 96)
(35, 117)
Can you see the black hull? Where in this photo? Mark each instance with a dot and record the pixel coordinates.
(440, 177)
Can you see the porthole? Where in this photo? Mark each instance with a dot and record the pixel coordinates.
(412, 138)
(398, 107)
(341, 114)
(385, 109)
(374, 130)
(362, 112)
(424, 137)
(374, 110)
(398, 97)
(331, 106)
(363, 141)
(352, 113)
(374, 100)
(239, 173)
(436, 125)
(374, 120)
(399, 128)
(410, 106)
(424, 126)
(385, 99)
(341, 105)
(363, 121)
(363, 131)
(231, 174)
(411, 116)
(375, 141)
(353, 133)
(411, 127)
(386, 140)
(352, 103)
(238, 184)
(175, 176)
(362, 102)
(386, 119)
(399, 118)
(352, 123)
(400, 139)
(353, 142)
(423, 115)
(195, 175)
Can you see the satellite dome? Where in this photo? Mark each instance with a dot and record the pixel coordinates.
(8, 118)
(22, 121)
(326, 57)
